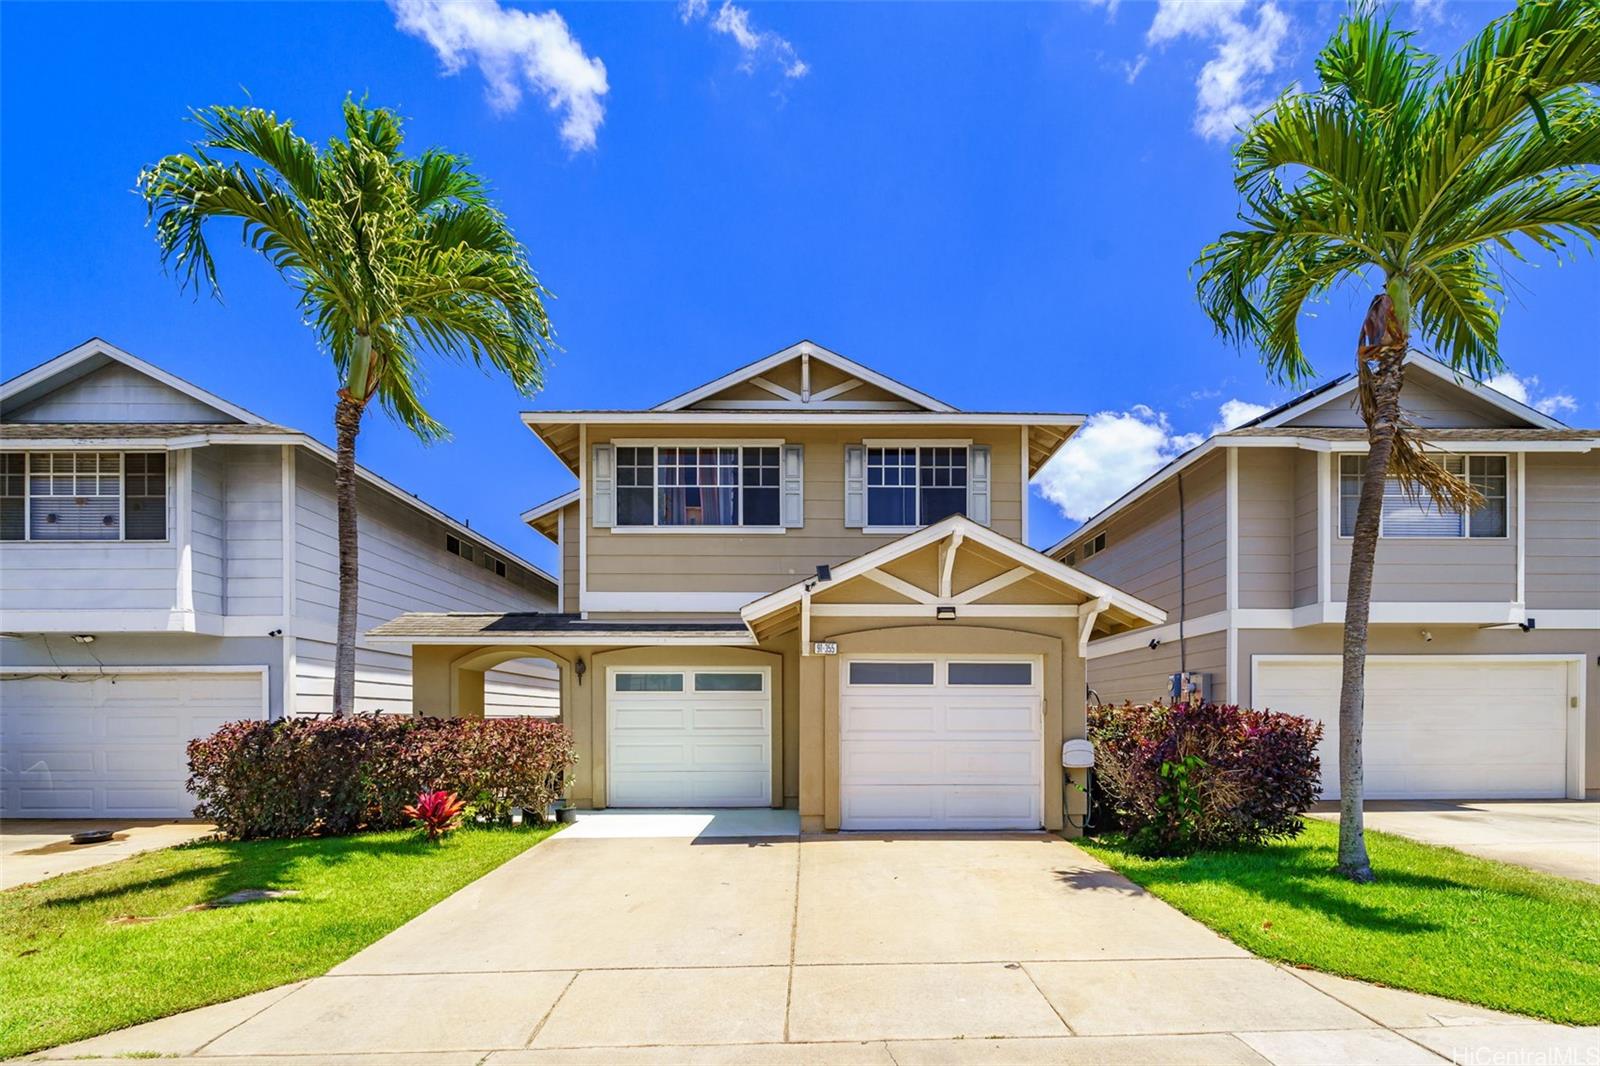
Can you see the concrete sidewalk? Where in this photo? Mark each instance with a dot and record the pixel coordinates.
(829, 949)
(32, 849)
(1560, 837)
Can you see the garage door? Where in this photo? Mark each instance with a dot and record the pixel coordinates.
(1444, 727)
(941, 743)
(695, 737)
(111, 745)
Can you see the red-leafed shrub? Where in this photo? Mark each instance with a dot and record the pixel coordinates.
(436, 812)
(304, 776)
(1205, 775)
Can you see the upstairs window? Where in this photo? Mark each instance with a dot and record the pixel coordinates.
(915, 486)
(1093, 546)
(70, 496)
(699, 485)
(1414, 514)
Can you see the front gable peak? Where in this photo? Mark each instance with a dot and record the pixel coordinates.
(804, 377)
(97, 382)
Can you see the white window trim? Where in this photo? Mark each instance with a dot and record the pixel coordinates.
(896, 442)
(122, 497)
(656, 443)
(1466, 519)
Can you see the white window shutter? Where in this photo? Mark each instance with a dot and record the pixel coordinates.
(978, 484)
(855, 486)
(603, 481)
(794, 480)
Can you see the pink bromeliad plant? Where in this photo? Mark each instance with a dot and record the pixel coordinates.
(437, 812)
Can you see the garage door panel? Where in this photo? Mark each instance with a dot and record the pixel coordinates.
(680, 747)
(112, 746)
(1442, 728)
(940, 757)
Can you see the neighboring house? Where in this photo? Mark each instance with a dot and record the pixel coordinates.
(801, 584)
(168, 562)
(1483, 677)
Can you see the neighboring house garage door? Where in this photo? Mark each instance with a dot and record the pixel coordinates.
(698, 737)
(112, 745)
(941, 743)
(1437, 727)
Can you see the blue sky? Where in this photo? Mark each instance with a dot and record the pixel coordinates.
(995, 203)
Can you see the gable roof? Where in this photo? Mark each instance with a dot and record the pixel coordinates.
(1345, 384)
(546, 517)
(804, 350)
(95, 354)
(1122, 609)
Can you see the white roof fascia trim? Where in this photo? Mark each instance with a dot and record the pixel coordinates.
(610, 636)
(824, 417)
(1438, 370)
(834, 359)
(44, 371)
(971, 531)
(550, 506)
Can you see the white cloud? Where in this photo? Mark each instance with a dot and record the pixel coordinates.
(1428, 10)
(1114, 451)
(514, 50)
(1236, 413)
(733, 21)
(1526, 390)
(1232, 86)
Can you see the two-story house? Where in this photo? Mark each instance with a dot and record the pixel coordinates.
(802, 584)
(168, 562)
(1483, 678)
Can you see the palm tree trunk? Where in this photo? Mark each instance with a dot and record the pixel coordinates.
(1387, 379)
(347, 423)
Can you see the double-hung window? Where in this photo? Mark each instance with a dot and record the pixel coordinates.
(82, 495)
(698, 485)
(1409, 512)
(915, 485)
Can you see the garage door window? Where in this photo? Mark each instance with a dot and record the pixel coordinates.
(991, 673)
(649, 682)
(730, 682)
(891, 673)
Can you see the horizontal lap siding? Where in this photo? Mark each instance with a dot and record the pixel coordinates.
(403, 566)
(1267, 505)
(1424, 398)
(1306, 587)
(253, 523)
(760, 563)
(91, 575)
(1141, 675)
(1141, 553)
(569, 559)
(1563, 544)
(117, 393)
(208, 493)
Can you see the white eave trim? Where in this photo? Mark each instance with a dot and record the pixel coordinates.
(587, 638)
(66, 360)
(533, 419)
(814, 351)
(533, 514)
(972, 531)
(1438, 370)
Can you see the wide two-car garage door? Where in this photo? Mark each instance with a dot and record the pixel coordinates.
(112, 745)
(696, 737)
(941, 742)
(1437, 727)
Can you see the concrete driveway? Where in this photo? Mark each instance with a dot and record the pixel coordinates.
(32, 849)
(602, 946)
(1560, 837)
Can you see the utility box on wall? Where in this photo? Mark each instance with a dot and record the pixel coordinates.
(1189, 687)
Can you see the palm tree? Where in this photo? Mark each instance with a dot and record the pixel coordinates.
(394, 258)
(1417, 182)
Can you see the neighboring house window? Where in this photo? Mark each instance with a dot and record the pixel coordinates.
(84, 496)
(698, 486)
(456, 546)
(1094, 546)
(915, 486)
(1414, 514)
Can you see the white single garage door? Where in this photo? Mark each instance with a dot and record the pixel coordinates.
(940, 742)
(1436, 727)
(112, 745)
(694, 737)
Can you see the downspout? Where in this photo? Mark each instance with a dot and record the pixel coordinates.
(1183, 580)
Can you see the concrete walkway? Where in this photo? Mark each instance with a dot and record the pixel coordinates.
(32, 849)
(1560, 837)
(603, 947)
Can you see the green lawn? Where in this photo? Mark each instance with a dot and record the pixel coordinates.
(1437, 921)
(72, 967)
